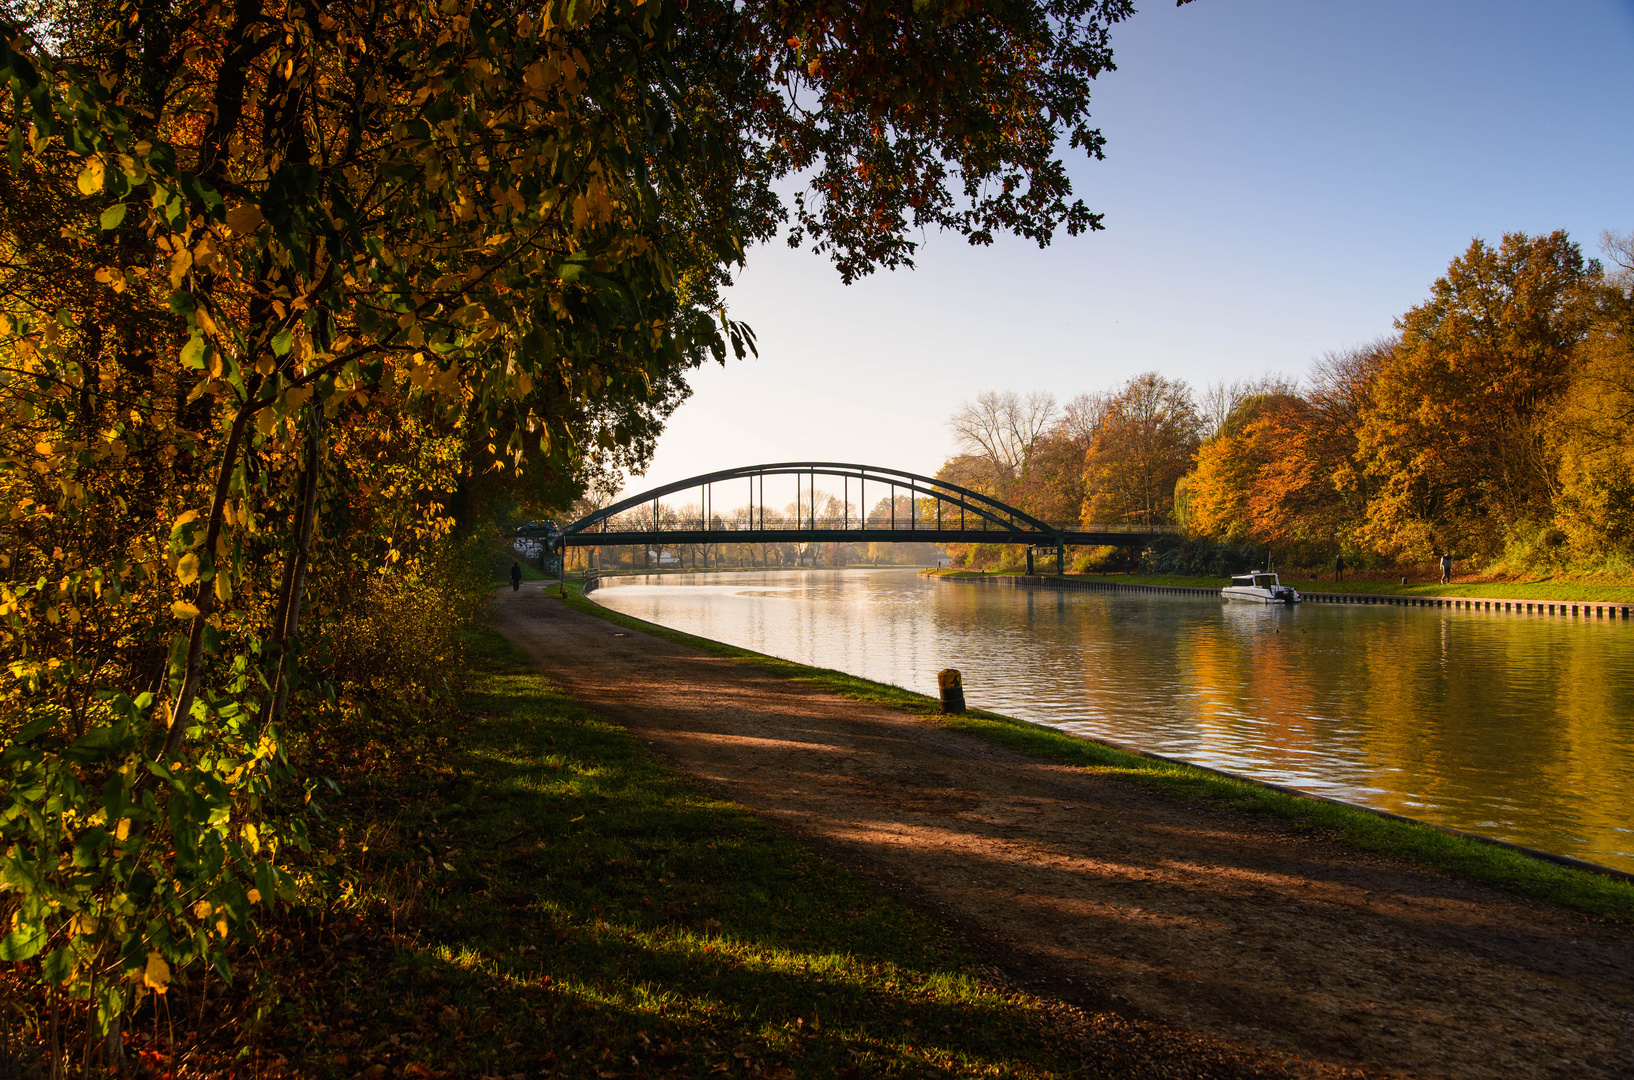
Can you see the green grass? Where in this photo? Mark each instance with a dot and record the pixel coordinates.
(1489, 864)
(555, 897)
(1539, 590)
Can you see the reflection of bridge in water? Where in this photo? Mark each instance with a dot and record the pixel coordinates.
(910, 508)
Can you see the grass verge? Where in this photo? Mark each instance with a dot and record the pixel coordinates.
(555, 899)
(1495, 590)
(1512, 871)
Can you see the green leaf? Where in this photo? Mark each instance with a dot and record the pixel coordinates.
(33, 730)
(113, 216)
(282, 340)
(22, 943)
(58, 965)
(194, 353)
(99, 744)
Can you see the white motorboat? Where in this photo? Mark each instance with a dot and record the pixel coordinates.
(1260, 587)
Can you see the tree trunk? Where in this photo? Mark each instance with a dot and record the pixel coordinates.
(205, 598)
(290, 622)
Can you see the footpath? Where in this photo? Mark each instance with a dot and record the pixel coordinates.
(1224, 932)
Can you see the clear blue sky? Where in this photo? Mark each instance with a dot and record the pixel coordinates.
(1283, 177)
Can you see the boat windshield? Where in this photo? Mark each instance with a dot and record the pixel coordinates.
(1265, 581)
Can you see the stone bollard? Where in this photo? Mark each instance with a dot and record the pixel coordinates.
(953, 691)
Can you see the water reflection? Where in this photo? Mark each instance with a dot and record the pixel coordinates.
(1519, 727)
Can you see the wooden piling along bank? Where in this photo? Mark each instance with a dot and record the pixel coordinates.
(1568, 608)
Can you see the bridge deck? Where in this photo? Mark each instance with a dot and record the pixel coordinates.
(682, 536)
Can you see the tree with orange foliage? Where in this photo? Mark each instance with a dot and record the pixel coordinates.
(1455, 438)
(1143, 446)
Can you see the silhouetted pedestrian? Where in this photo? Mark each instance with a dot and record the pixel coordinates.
(1338, 569)
(516, 577)
(1446, 568)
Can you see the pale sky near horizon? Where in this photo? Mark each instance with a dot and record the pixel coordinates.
(1282, 178)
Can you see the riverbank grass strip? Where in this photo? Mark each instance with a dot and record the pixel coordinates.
(1490, 590)
(556, 899)
(1502, 868)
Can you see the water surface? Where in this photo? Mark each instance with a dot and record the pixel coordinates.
(1517, 727)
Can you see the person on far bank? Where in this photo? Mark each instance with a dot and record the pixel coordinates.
(1446, 568)
(516, 577)
(1338, 569)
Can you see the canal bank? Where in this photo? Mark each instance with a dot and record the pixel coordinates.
(1119, 883)
(1516, 728)
(1507, 605)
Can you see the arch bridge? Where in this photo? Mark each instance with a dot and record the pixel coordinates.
(909, 508)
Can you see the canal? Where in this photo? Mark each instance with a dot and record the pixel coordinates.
(1516, 727)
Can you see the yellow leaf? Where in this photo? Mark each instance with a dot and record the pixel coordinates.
(122, 830)
(266, 420)
(203, 909)
(180, 264)
(90, 178)
(156, 976)
(188, 568)
(224, 588)
(253, 836)
(204, 252)
(183, 610)
(221, 925)
(254, 896)
(245, 218)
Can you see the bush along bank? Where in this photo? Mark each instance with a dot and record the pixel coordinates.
(1500, 867)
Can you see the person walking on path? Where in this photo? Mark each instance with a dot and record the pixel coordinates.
(1446, 568)
(1338, 569)
(516, 577)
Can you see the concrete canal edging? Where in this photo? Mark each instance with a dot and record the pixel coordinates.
(1568, 608)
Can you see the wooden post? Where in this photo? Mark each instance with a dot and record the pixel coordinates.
(953, 691)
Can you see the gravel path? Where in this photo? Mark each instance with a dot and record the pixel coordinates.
(1185, 941)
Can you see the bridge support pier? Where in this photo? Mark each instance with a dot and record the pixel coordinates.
(1060, 558)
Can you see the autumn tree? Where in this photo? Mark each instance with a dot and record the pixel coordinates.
(286, 286)
(1218, 400)
(1144, 446)
(1456, 438)
(1595, 506)
(1052, 488)
(1281, 468)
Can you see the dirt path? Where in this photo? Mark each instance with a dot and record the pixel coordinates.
(1164, 922)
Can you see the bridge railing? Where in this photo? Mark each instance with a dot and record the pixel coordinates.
(669, 521)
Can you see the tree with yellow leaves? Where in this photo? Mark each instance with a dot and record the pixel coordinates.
(285, 283)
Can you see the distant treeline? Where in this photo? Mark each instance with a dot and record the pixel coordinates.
(1494, 425)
